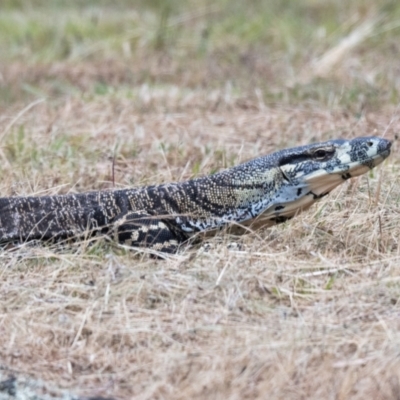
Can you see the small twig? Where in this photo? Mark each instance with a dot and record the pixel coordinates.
(113, 164)
(113, 171)
(221, 274)
(324, 272)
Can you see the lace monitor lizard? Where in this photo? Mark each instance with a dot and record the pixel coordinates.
(261, 192)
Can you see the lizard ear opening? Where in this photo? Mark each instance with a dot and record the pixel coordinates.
(284, 176)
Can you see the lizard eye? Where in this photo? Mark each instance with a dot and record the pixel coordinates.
(320, 154)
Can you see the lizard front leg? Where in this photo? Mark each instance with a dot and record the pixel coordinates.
(139, 229)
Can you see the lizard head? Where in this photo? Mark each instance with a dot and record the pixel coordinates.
(311, 172)
(321, 164)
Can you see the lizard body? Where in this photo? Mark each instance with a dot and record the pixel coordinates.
(261, 192)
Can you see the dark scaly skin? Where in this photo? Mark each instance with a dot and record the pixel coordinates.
(266, 190)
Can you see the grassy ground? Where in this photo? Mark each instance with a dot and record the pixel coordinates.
(172, 90)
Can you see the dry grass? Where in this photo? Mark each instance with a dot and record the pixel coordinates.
(306, 309)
